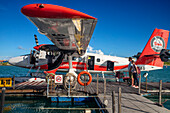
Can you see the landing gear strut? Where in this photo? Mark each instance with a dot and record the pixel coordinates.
(70, 80)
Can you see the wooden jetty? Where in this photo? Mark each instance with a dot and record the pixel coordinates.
(91, 90)
(132, 103)
(27, 88)
(102, 91)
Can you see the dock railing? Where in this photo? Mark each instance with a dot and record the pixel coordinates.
(98, 87)
(54, 89)
(154, 88)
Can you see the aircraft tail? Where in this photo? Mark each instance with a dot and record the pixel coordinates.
(150, 58)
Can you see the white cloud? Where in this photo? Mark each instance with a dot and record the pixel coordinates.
(20, 47)
(91, 50)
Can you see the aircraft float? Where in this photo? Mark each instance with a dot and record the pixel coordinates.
(71, 31)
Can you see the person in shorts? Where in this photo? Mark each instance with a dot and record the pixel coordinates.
(130, 74)
(134, 71)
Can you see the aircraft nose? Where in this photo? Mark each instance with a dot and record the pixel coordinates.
(12, 61)
(16, 61)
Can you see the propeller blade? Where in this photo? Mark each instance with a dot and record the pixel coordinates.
(36, 40)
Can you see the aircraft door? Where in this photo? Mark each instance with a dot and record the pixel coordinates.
(110, 66)
(54, 61)
(32, 57)
(50, 60)
(91, 61)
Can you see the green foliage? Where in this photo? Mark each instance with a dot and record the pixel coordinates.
(4, 64)
(167, 63)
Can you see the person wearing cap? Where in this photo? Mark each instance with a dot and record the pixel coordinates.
(130, 74)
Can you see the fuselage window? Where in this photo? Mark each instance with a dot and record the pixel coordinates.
(74, 58)
(98, 59)
(80, 59)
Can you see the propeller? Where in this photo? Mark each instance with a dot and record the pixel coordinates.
(164, 55)
(36, 40)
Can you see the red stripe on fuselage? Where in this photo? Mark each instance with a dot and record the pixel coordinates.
(120, 67)
(76, 65)
(81, 66)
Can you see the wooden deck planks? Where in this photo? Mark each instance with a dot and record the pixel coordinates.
(133, 103)
(91, 89)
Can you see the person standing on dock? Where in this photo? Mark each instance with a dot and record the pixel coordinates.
(130, 74)
(134, 71)
(33, 59)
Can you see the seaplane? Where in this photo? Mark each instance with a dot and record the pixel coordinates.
(71, 31)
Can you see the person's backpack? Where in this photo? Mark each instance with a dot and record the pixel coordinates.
(134, 70)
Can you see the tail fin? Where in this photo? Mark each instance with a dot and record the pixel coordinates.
(149, 59)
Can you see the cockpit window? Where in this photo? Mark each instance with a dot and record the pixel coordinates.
(74, 58)
(98, 59)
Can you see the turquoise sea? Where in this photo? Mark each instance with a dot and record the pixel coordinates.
(37, 105)
(9, 71)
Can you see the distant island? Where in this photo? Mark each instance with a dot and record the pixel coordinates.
(167, 63)
(4, 63)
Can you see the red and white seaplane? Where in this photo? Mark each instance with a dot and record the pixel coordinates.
(71, 31)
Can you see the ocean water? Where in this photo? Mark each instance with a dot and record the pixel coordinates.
(10, 71)
(157, 75)
(153, 76)
(36, 105)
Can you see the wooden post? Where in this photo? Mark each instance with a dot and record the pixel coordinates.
(160, 92)
(139, 84)
(119, 100)
(146, 83)
(97, 84)
(2, 100)
(113, 102)
(104, 89)
(14, 82)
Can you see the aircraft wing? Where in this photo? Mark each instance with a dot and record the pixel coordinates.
(68, 29)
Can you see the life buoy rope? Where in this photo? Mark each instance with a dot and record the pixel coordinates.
(79, 81)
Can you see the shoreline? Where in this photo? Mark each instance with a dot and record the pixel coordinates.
(5, 64)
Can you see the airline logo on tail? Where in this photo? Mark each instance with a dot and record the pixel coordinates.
(157, 43)
(150, 58)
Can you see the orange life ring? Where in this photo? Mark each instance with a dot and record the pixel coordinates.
(81, 83)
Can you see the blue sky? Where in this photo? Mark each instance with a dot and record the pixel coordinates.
(123, 27)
